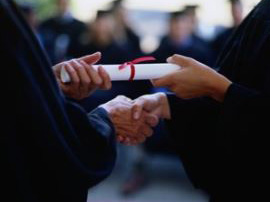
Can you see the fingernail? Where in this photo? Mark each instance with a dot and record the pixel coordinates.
(153, 81)
(169, 60)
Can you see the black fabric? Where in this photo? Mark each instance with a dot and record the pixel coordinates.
(50, 149)
(221, 39)
(224, 147)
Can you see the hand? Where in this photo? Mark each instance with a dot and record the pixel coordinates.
(194, 79)
(84, 78)
(129, 130)
(156, 104)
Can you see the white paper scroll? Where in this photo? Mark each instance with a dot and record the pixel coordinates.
(142, 71)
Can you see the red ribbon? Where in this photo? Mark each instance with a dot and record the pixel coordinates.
(132, 65)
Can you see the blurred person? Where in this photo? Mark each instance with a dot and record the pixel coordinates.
(29, 14)
(51, 149)
(218, 120)
(123, 33)
(100, 38)
(191, 11)
(237, 15)
(62, 34)
(180, 40)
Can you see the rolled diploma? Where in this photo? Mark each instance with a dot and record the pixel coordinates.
(142, 71)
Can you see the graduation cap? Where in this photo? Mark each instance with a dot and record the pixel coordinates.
(234, 1)
(191, 7)
(103, 13)
(177, 14)
(116, 4)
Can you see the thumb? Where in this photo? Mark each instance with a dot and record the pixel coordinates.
(179, 60)
(91, 59)
(137, 109)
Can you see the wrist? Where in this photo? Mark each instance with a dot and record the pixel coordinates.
(107, 108)
(219, 87)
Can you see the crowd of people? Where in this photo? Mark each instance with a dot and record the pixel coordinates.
(64, 37)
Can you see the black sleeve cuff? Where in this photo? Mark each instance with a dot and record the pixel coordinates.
(101, 115)
(176, 104)
(236, 95)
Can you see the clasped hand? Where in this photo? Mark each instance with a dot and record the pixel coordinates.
(133, 120)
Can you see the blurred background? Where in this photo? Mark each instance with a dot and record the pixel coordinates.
(123, 30)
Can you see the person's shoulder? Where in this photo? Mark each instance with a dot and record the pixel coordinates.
(224, 34)
(260, 12)
(165, 42)
(78, 23)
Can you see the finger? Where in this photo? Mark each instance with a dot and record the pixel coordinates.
(133, 141)
(140, 139)
(127, 140)
(147, 131)
(137, 109)
(84, 78)
(107, 84)
(130, 142)
(179, 60)
(91, 59)
(74, 77)
(151, 120)
(120, 138)
(93, 74)
(165, 81)
(123, 98)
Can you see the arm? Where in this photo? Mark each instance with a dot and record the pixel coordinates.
(219, 135)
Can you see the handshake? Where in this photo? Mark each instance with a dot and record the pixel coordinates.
(134, 119)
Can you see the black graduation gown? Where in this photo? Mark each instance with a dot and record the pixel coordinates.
(51, 150)
(224, 147)
(220, 41)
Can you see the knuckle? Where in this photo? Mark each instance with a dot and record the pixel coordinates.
(174, 56)
(87, 82)
(73, 61)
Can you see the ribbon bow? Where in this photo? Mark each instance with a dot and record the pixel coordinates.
(132, 65)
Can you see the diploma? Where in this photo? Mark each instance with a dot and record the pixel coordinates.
(131, 72)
